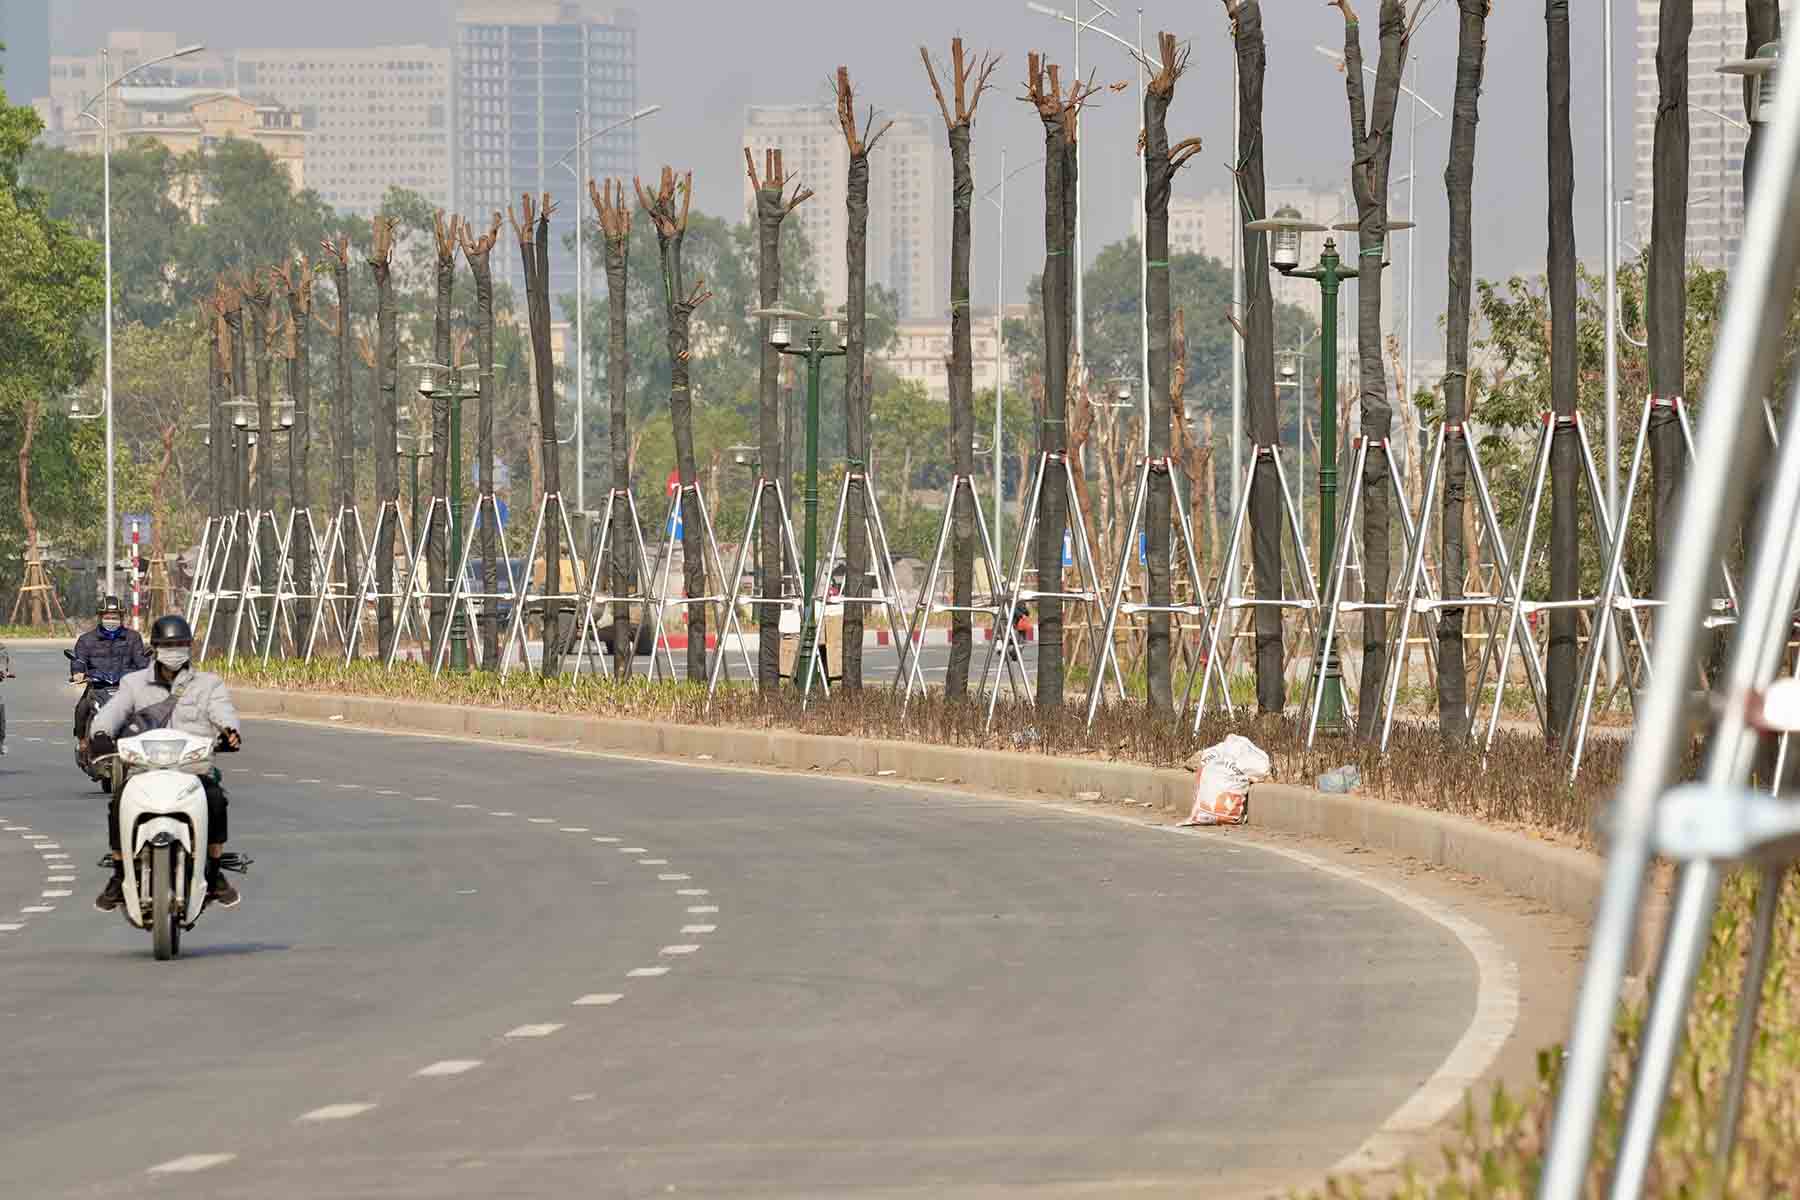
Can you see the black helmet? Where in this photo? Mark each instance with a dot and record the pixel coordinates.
(172, 630)
(110, 604)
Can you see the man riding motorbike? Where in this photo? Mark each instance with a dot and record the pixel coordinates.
(171, 694)
(109, 648)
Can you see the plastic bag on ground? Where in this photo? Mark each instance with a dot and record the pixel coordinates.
(1222, 783)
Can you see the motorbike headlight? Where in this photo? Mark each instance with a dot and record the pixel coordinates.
(162, 752)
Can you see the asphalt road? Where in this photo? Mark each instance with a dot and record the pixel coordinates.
(465, 970)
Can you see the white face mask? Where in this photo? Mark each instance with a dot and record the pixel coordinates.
(109, 623)
(172, 657)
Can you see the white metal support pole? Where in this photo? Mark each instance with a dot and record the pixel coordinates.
(1237, 311)
(106, 234)
(580, 309)
(1412, 255)
(1143, 259)
(999, 359)
(1614, 661)
(1080, 215)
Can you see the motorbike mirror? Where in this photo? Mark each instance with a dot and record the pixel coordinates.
(69, 654)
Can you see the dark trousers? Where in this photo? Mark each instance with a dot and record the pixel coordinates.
(216, 827)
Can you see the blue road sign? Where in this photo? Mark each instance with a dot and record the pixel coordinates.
(675, 527)
(1143, 547)
(1068, 549)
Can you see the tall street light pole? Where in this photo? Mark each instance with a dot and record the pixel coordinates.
(104, 120)
(999, 335)
(814, 352)
(583, 137)
(1284, 256)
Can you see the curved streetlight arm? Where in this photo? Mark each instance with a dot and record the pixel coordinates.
(1338, 58)
(110, 84)
(639, 115)
(989, 194)
(1088, 26)
(1713, 112)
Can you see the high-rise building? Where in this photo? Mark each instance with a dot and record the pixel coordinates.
(1716, 131)
(376, 118)
(373, 118)
(909, 208)
(531, 75)
(25, 32)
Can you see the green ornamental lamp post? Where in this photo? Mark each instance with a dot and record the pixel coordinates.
(455, 384)
(814, 351)
(1286, 228)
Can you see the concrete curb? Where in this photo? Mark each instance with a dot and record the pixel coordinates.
(1566, 880)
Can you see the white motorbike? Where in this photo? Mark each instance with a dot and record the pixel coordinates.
(162, 831)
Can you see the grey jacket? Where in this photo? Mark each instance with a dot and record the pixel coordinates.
(204, 707)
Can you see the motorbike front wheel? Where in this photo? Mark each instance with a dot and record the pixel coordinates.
(165, 922)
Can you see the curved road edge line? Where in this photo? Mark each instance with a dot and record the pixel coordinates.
(1497, 974)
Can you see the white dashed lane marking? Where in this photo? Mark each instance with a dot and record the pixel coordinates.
(634, 850)
(450, 1066)
(542, 820)
(9, 928)
(573, 829)
(670, 878)
(690, 891)
(597, 998)
(60, 879)
(606, 839)
(350, 787)
(534, 1031)
(55, 893)
(501, 814)
(701, 909)
(336, 1112)
(653, 862)
(189, 1163)
(386, 792)
(38, 908)
(433, 800)
(646, 972)
(699, 928)
(689, 949)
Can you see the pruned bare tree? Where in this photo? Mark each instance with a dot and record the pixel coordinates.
(385, 402)
(343, 411)
(1665, 315)
(856, 393)
(615, 214)
(1459, 188)
(968, 80)
(773, 203)
(478, 249)
(440, 555)
(1057, 110)
(297, 287)
(531, 226)
(668, 211)
(1161, 162)
(1372, 145)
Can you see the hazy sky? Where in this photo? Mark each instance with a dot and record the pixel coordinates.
(704, 60)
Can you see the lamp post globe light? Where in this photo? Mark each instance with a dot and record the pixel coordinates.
(815, 350)
(1288, 230)
(104, 121)
(440, 382)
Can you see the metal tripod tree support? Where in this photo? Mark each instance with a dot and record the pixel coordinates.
(709, 550)
(1225, 602)
(366, 593)
(1519, 608)
(621, 507)
(1335, 605)
(1615, 594)
(418, 592)
(219, 574)
(287, 590)
(202, 565)
(1119, 606)
(334, 594)
(560, 526)
(886, 584)
(1418, 598)
(997, 609)
(250, 586)
(736, 596)
(1714, 823)
(1007, 644)
(460, 593)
